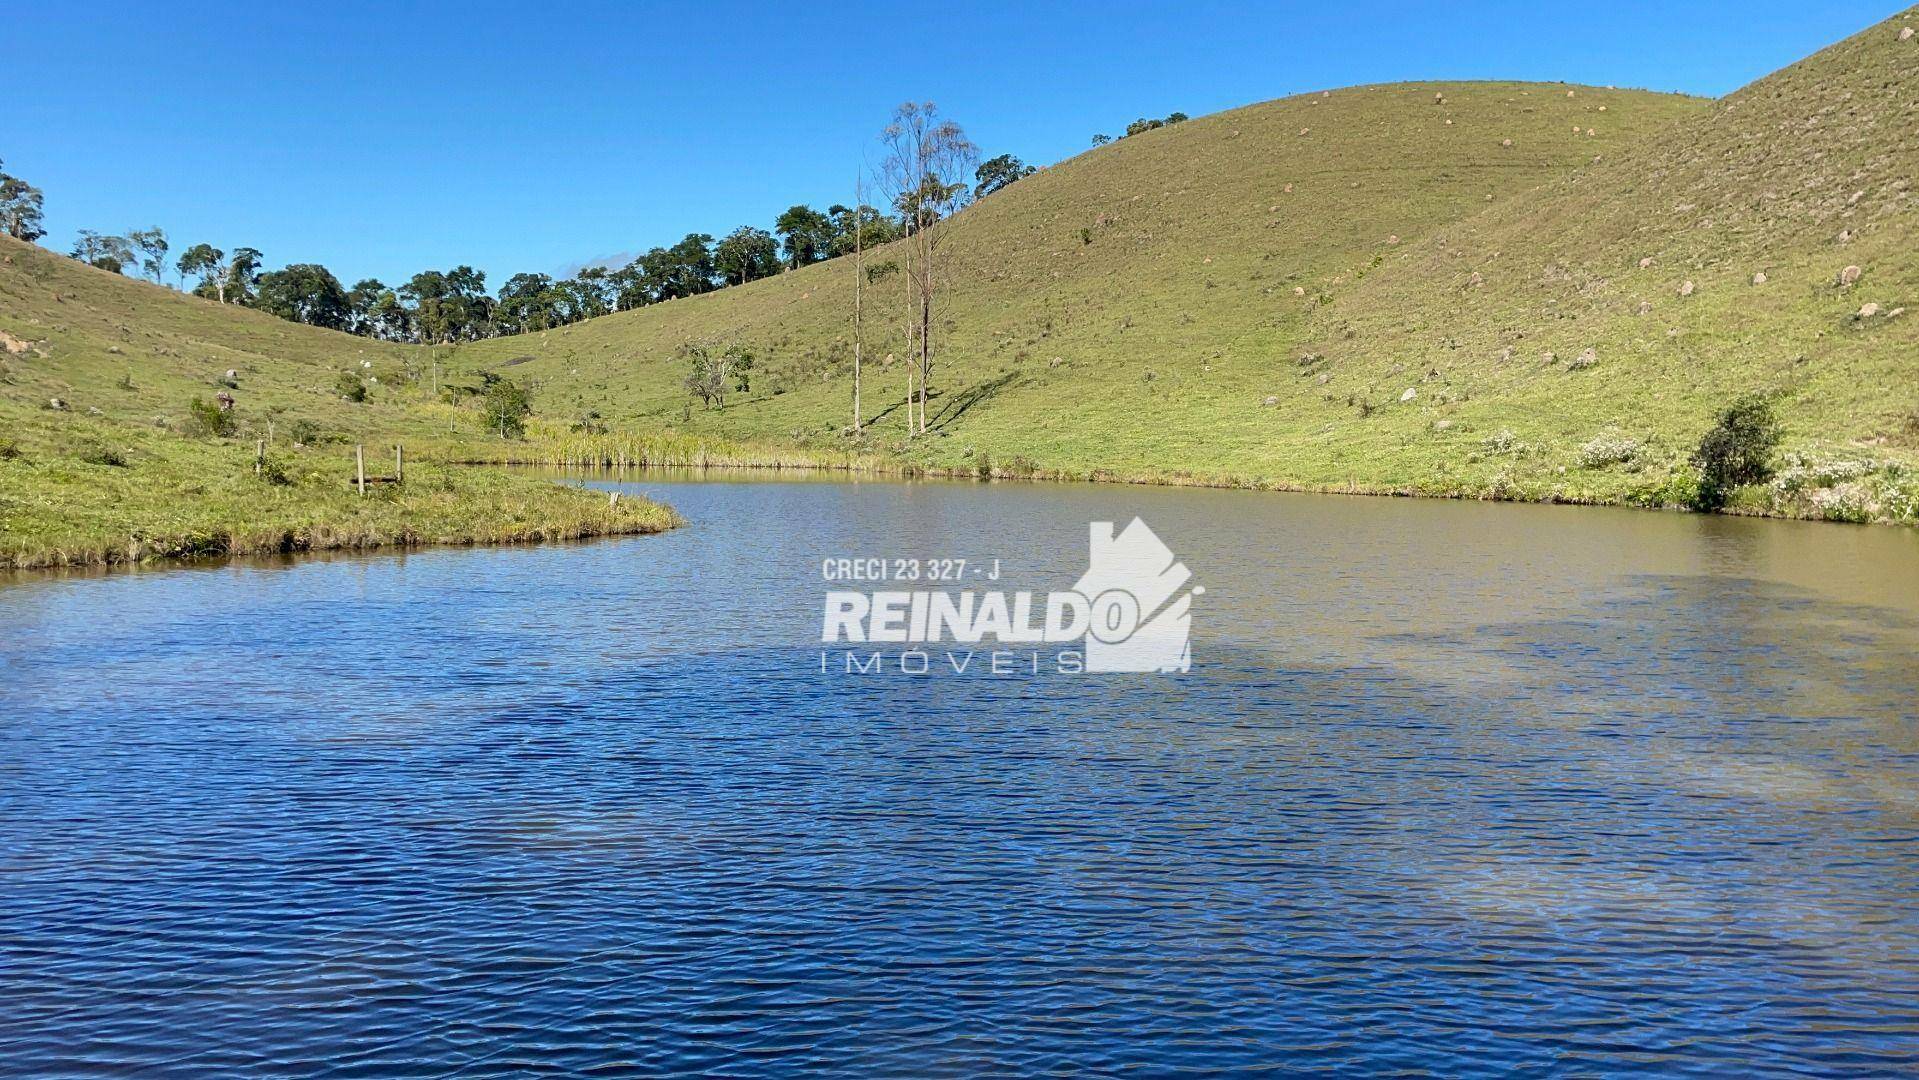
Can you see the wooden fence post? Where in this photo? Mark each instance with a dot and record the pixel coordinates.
(359, 466)
(259, 455)
(399, 464)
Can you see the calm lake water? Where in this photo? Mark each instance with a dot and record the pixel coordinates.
(1453, 787)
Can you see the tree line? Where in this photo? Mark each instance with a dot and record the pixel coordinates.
(443, 306)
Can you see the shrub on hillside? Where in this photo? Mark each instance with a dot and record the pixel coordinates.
(304, 432)
(1504, 443)
(1736, 451)
(209, 419)
(273, 470)
(103, 455)
(507, 404)
(1609, 448)
(350, 387)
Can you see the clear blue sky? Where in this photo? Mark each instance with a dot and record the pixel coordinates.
(384, 139)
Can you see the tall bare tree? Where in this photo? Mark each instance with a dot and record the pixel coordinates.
(859, 275)
(926, 165)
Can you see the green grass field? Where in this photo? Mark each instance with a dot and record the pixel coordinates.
(112, 475)
(1508, 290)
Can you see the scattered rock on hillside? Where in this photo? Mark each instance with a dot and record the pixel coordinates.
(1505, 142)
(1299, 290)
(1476, 280)
(1550, 358)
(1583, 361)
(1850, 275)
(1304, 130)
(1905, 33)
(13, 344)
(1645, 307)
(1646, 263)
(1867, 311)
(1759, 278)
(1409, 395)
(1686, 289)
(1271, 400)
(57, 404)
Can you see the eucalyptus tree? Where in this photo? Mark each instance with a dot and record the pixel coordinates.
(21, 209)
(209, 264)
(152, 245)
(805, 234)
(305, 293)
(925, 164)
(996, 173)
(102, 250)
(747, 254)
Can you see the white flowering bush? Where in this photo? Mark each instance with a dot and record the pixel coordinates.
(1610, 448)
(1850, 501)
(1803, 472)
(1503, 442)
(1846, 488)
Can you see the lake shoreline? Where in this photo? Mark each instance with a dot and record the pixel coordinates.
(723, 455)
(442, 507)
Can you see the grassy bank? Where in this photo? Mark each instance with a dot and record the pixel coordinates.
(91, 492)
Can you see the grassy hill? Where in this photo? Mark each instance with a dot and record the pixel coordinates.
(1127, 312)
(98, 462)
(1621, 304)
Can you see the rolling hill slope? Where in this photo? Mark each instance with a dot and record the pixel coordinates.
(1130, 309)
(1627, 301)
(99, 461)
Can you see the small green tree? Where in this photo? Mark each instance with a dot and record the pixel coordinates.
(714, 373)
(507, 404)
(1735, 452)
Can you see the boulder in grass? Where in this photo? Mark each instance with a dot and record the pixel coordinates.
(1850, 275)
(1905, 33)
(1759, 278)
(1686, 289)
(1867, 311)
